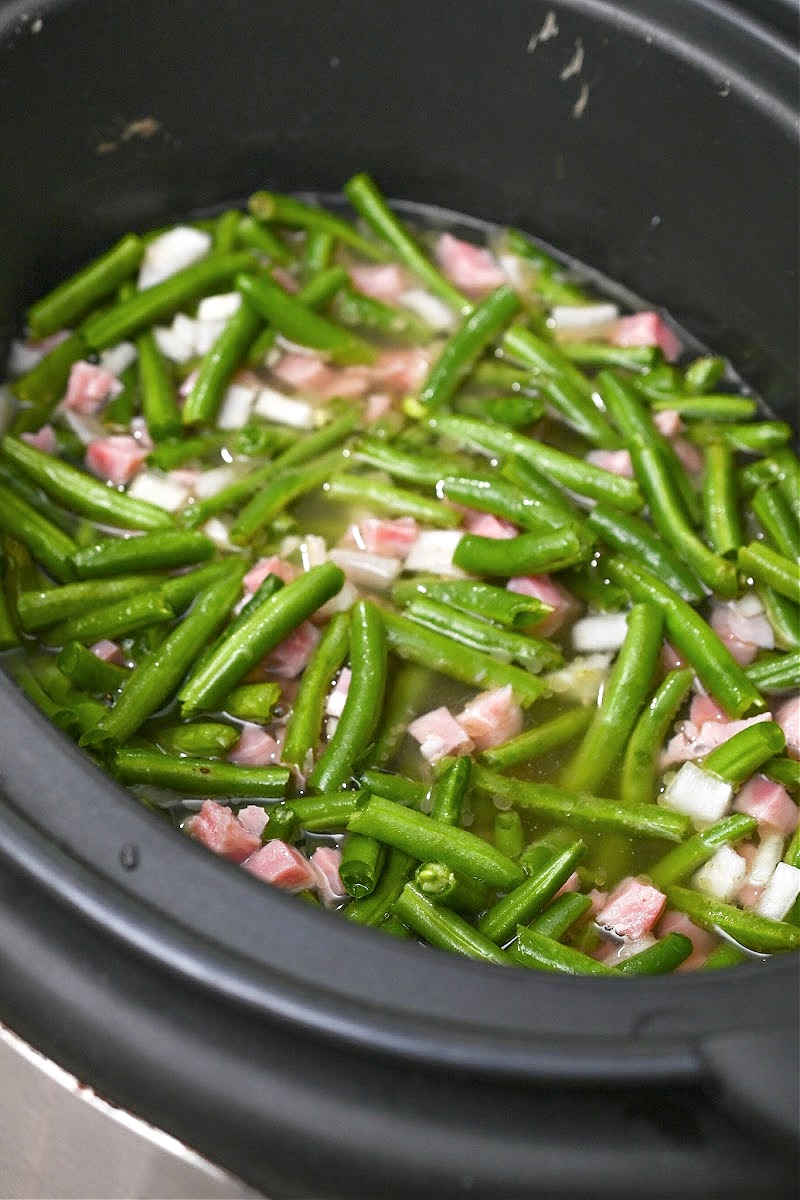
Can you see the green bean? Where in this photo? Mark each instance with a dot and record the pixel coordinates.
(253, 702)
(667, 954)
(83, 495)
(573, 473)
(151, 551)
(200, 739)
(518, 411)
(485, 600)
(197, 776)
(61, 715)
(525, 901)
(372, 909)
(314, 814)
(114, 620)
(524, 554)
(31, 494)
(449, 789)
(788, 469)
(88, 672)
(783, 615)
(438, 883)
(225, 356)
(314, 294)
(370, 205)
(82, 291)
(684, 860)
(775, 672)
(716, 407)
(358, 311)
(777, 520)
(9, 635)
(758, 933)
(783, 770)
(631, 535)
(300, 323)
(532, 949)
(360, 867)
(286, 210)
(47, 543)
(157, 389)
(584, 811)
(225, 228)
(580, 413)
(534, 484)
(505, 645)
(228, 497)
(549, 283)
(179, 590)
(624, 693)
(175, 452)
(283, 489)
(704, 373)
(493, 373)
(737, 759)
(145, 308)
(318, 250)
(640, 764)
(252, 234)
(538, 740)
(482, 325)
(155, 680)
(718, 671)
(445, 929)
(44, 385)
(724, 955)
(560, 915)
(428, 839)
(382, 497)
(758, 437)
(604, 354)
(362, 706)
(545, 360)
(723, 525)
(504, 499)
(440, 653)
(766, 565)
(393, 787)
(509, 835)
(302, 730)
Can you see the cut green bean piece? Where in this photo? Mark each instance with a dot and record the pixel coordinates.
(300, 323)
(225, 356)
(282, 489)
(157, 389)
(542, 953)
(725, 955)
(198, 739)
(486, 600)
(737, 759)
(449, 789)
(776, 672)
(198, 776)
(684, 860)
(525, 901)
(381, 497)
(716, 407)
(48, 544)
(88, 672)
(296, 214)
(150, 552)
(539, 740)
(777, 520)
(438, 883)
(783, 770)
(360, 867)
(631, 535)
(372, 909)
(118, 619)
(83, 291)
(720, 500)
(387, 321)
(524, 554)
(783, 615)
(561, 914)
(640, 764)
(767, 566)
(250, 232)
(43, 386)
(485, 323)
(749, 929)
(445, 929)
(302, 731)
(504, 499)
(758, 437)
(667, 954)
(505, 645)
(253, 702)
(393, 787)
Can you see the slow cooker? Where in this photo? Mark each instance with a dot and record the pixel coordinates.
(653, 139)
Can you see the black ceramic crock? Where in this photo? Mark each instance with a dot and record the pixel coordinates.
(654, 140)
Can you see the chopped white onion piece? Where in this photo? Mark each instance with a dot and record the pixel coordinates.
(211, 482)
(370, 570)
(219, 307)
(219, 533)
(313, 551)
(581, 678)
(22, 358)
(722, 875)
(582, 320)
(171, 252)
(433, 311)
(85, 426)
(748, 605)
(599, 632)
(334, 704)
(433, 552)
(159, 489)
(343, 601)
(702, 796)
(237, 403)
(173, 342)
(284, 410)
(627, 947)
(118, 358)
(766, 857)
(780, 893)
(205, 334)
(516, 270)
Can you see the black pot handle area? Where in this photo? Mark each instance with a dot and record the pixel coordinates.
(757, 1077)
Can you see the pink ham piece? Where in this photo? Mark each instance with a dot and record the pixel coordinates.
(255, 748)
(108, 651)
(116, 458)
(670, 659)
(693, 742)
(470, 268)
(769, 803)
(291, 655)
(219, 829)
(378, 405)
(573, 884)
(543, 588)
(401, 370)
(385, 282)
(646, 329)
(632, 909)
(269, 566)
(283, 866)
(334, 705)
(616, 462)
(743, 633)
(325, 862)
(348, 383)
(491, 718)
(702, 941)
(44, 439)
(89, 387)
(668, 422)
(703, 709)
(254, 818)
(788, 717)
(302, 371)
(393, 538)
(439, 734)
(487, 525)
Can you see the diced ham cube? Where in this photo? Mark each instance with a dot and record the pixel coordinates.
(439, 734)
(670, 659)
(702, 941)
(543, 588)
(668, 422)
(487, 525)
(572, 884)
(788, 717)
(378, 405)
(108, 651)
(116, 458)
(693, 742)
(646, 329)
(325, 862)
(703, 708)
(346, 383)
(269, 566)
(491, 718)
(255, 748)
(254, 818)
(334, 705)
(616, 462)
(382, 281)
(283, 866)
(291, 655)
(89, 387)
(393, 538)
(305, 372)
(632, 910)
(43, 439)
(219, 829)
(401, 370)
(471, 268)
(768, 802)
